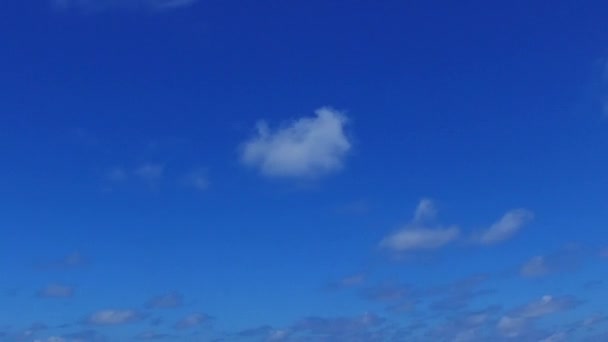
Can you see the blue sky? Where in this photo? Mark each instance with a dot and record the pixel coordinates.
(203, 170)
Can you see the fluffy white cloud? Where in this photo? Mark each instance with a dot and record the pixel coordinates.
(96, 5)
(113, 317)
(418, 235)
(506, 227)
(310, 147)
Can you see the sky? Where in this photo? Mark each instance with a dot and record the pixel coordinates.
(321, 170)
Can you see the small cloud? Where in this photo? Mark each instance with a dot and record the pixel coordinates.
(113, 317)
(192, 321)
(506, 227)
(308, 148)
(535, 267)
(165, 301)
(412, 238)
(56, 291)
(567, 258)
(150, 172)
(425, 210)
(417, 235)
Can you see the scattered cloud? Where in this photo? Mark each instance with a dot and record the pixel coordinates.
(565, 259)
(100, 5)
(56, 291)
(113, 317)
(192, 321)
(522, 319)
(308, 148)
(420, 234)
(165, 301)
(506, 227)
(535, 267)
(339, 328)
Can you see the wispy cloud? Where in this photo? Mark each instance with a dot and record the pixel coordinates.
(56, 291)
(71, 261)
(113, 317)
(506, 227)
(421, 233)
(309, 147)
(567, 258)
(100, 5)
(521, 319)
(192, 321)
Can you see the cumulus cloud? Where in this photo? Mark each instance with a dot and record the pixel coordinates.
(309, 147)
(98, 5)
(192, 321)
(506, 227)
(165, 301)
(113, 317)
(56, 291)
(419, 234)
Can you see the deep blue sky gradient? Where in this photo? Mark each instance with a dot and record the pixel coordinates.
(483, 107)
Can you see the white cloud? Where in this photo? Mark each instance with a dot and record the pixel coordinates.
(56, 291)
(426, 210)
(535, 267)
(506, 227)
(417, 235)
(519, 320)
(310, 147)
(413, 238)
(99, 5)
(113, 317)
(545, 306)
